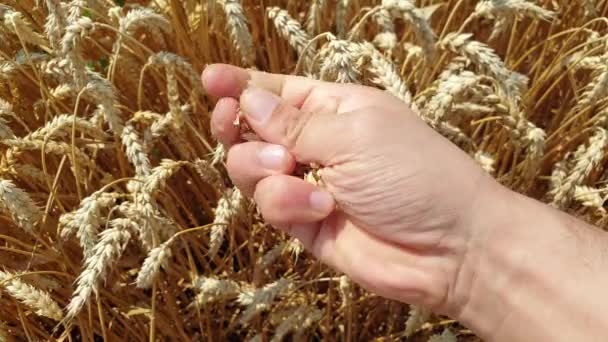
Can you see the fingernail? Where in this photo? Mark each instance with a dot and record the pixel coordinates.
(259, 104)
(322, 201)
(273, 157)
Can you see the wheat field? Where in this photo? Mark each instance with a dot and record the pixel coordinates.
(119, 223)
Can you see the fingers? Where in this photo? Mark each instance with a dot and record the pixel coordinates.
(310, 136)
(223, 80)
(222, 121)
(284, 200)
(250, 162)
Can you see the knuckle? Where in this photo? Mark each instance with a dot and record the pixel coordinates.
(367, 122)
(295, 124)
(270, 195)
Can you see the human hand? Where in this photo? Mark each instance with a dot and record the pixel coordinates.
(397, 210)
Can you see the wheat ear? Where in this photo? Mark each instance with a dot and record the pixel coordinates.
(19, 205)
(229, 208)
(290, 29)
(34, 298)
(585, 160)
(259, 300)
(410, 13)
(236, 24)
(213, 290)
(299, 320)
(106, 252)
(418, 316)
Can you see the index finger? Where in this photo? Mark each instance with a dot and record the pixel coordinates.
(225, 80)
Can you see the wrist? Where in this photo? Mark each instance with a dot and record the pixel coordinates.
(524, 268)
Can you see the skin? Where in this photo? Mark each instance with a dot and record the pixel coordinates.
(405, 213)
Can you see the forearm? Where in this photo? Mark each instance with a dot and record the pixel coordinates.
(537, 275)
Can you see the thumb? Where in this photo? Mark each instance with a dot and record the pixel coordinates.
(311, 136)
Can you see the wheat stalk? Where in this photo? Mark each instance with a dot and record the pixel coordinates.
(36, 299)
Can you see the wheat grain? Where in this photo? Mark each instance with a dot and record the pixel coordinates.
(486, 161)
(36, 299)
(418, 316)
(16, 202)
(446, 336)
(346, 291)
(591, 198)
(111, 245)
